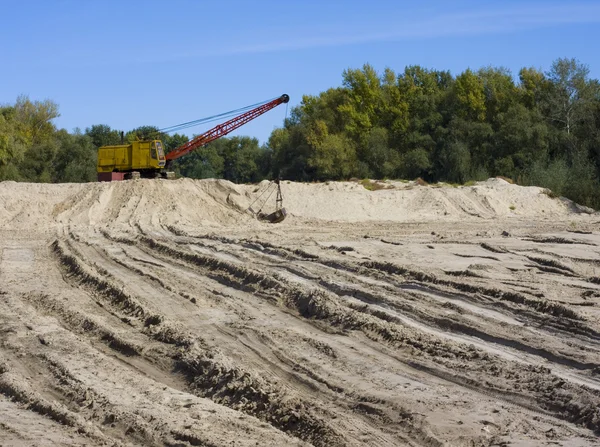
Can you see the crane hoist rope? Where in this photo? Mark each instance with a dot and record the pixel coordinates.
(279, 214)
(267, 189)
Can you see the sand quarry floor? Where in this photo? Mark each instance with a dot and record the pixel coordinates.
(156, 312)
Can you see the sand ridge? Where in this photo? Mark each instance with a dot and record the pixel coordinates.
(219, 202)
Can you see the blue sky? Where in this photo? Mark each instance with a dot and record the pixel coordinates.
(132, 63)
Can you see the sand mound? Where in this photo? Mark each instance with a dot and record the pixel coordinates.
(409, 202)
(219, 202)
(152, 202)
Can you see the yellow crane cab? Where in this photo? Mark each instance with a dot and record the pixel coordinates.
(138, 159)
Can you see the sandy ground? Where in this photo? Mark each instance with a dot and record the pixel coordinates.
(155, 312)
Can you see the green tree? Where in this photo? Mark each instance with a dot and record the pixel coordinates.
(548, 173)
(532, 87)
(499, 90)
(571, 94)
(37, 163)
(204, 162)
(103, 135)
(12, 144)
(415, 163)
(173, 141)
(334, 158)
(34, 120)
(382, 161)
(462, 135)
(394, 107)
(75, 159)
(455, 162)
(290, 150)
(521, 138)
(27, 145)
(582, 181)
(325, 107)
(470, 96)
(242, 157)
(364, 100)
(425, 92)
(144, 133)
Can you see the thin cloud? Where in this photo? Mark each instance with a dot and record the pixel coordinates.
(447, 25)
(467, 23)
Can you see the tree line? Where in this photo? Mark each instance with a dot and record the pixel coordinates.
(541, 129)
(538, 128)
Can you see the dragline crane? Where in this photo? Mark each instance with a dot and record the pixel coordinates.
(147, 158)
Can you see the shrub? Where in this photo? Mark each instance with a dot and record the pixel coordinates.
(506, 179)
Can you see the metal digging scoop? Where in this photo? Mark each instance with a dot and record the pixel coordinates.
(275, 217)
(279, 214)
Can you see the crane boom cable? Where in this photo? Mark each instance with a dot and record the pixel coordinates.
(203, 120)
(199, 122)
(212, 118)
(225, 128)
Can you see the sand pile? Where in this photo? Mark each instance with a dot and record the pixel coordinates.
(152, 202)
(31, 205)
(219, 202)
(410, 202)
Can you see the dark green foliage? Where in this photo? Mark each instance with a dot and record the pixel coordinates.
(173, 141)
(36, 165)
(382, 161)
(551, 174)
(144, 133)
(103, 135)
(239, 159)
(202, 163)
(582, 181)
(415, 163)
(75, 160)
